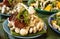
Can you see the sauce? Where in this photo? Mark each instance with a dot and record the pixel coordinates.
(19, 24)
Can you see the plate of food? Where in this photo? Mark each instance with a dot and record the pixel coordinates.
(7, 7)
(45, 6)
(54, 22)
(25, 24)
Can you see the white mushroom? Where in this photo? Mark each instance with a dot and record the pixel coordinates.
(18, 8)
(23, 32)
(33, 20)
(7, 8)
(30, 30)
(10, 25)
(42, 1)
(12, 28)
(3, 9)
(38, 25)
(36, 4)
(41, 27)
(55, 26)
(34, 29)
(31, 10)
(17, 30)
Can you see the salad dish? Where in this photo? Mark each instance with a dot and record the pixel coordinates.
(7, 6)
(45, 6)
(54, 22)
(25, 23)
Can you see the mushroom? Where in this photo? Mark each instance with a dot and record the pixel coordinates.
(3, 9)
(55, 26)
(7, 8)
(42, 1)
(34, 29)
(41, 26)
(33, 20)
(23, 32)
(30, 30)
(10, 25)
(31, 10)
(38, 25)
(17, 30)
(12, 28)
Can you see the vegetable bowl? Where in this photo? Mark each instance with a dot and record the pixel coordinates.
(45, 6)
(54, 22)
(25, 23)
